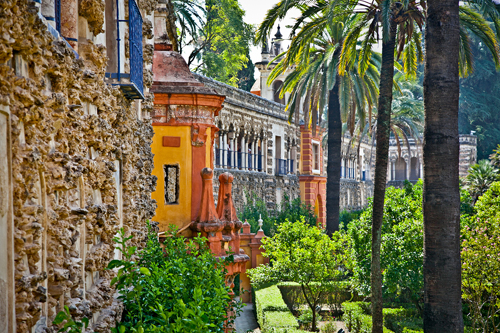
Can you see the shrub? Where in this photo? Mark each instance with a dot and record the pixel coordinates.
(358, 320)
(402, 245)
(306, 319)
(481, 263)
(291, 210)
(305, 255)
(329, 328)
(348, 216)
(180, 288)
(335, 293)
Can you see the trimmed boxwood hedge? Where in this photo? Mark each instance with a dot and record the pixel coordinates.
(358, 319)
(273, 314)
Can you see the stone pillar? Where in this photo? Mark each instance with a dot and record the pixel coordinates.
(264, 155)
(243, 152)
(408, 167)
(255, 152)
(69, 22)
(223, 152)
(232, 152)
(49, 12)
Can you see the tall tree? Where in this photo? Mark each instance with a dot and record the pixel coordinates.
(315, 84)
(398, 22)
(225, 41)
(441, 198)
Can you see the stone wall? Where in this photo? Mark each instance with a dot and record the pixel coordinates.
(271, 189)
(80, 168)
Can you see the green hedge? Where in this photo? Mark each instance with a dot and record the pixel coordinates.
(401, 320)
(273, 314)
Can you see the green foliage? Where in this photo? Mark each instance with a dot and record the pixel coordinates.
(481, 263)
(480, 177)
(306, 318)
(357, 317)
(270, 308)
(280, 319)
(180, 288)
(226, 41)
(329, 328)
(479, 101)
(70, 325)
(347, 216)
(246, 75)
(402, 244)
(291, 210)
(495, 157)
(305, 255)
(336, 293)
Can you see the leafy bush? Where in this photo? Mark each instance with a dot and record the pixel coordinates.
(347, 216)
(403, 320)
(335, 293)
(329, 328)
(305, 255)
(481, 263)
(306, 319)
(180, 288)
(70, 325)
(291, 210)
(480, 177)
(358, 320)
(402, 245)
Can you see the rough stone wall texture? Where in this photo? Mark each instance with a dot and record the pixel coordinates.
(65, 197)
(271, 189)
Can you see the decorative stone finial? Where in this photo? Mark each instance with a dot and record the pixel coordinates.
(207, 213)
(278, 34)
(225, 205)
(246, 227)
(260, 222)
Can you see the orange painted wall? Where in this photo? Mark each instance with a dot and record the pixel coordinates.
(178, 214)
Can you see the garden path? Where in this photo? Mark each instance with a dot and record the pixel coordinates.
(246, 321)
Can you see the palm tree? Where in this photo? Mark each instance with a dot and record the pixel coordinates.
(446, 44)
(480, 177)
(189, 15)
(313, 56)
(441, 198)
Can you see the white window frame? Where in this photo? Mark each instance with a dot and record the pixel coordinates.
(316, 158)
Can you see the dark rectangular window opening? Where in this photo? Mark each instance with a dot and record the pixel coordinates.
(172, 172)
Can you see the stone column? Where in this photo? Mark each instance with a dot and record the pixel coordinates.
(69, 22)
(233, 152)
(243, 152)
(49, 12)
(253, 155)
(264, 155)
(224, 148)
(408, 167)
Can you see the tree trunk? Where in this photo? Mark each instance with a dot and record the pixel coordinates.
(441, 197)
(334, 157)
(382, 156)
(171, 27)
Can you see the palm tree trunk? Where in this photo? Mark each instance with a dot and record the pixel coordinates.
(382, 156)
(171, 27)
(441, 197)
(334, 156)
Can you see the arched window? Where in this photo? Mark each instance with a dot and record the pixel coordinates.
(276, 92)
